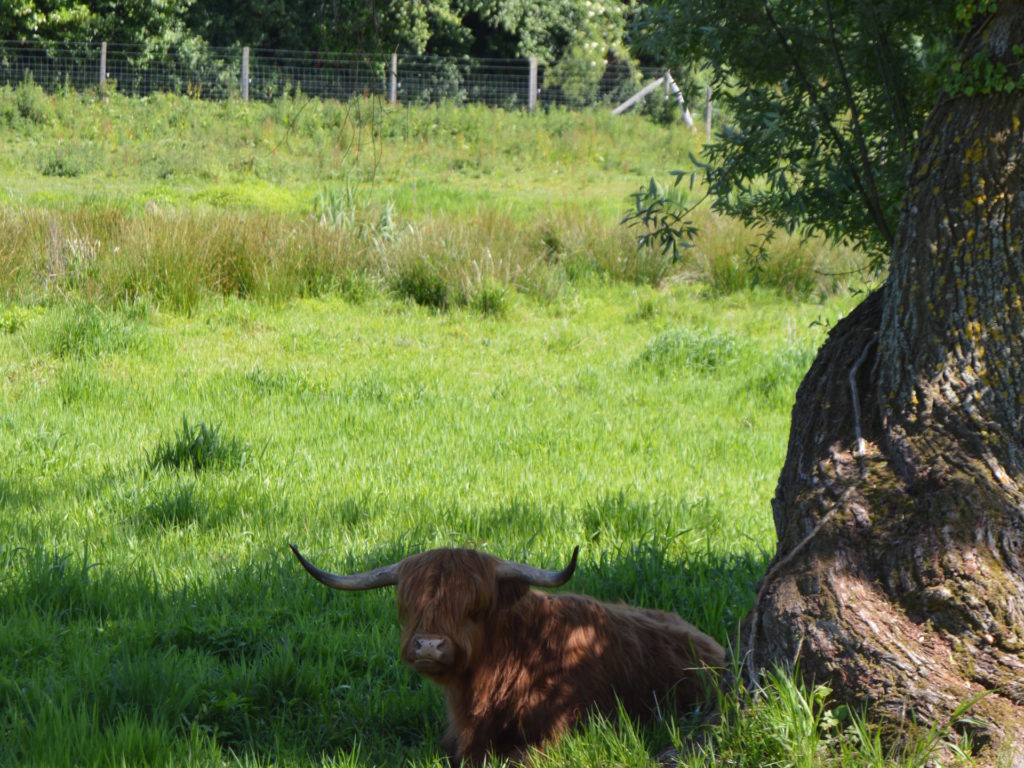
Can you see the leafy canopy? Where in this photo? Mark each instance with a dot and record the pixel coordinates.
(824, 100)
(122, 21)
(547, 29)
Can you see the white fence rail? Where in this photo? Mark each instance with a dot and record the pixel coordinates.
(261, 74)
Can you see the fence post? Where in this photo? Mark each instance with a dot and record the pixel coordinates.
(103, 66)
(393, 85)
(245, 73)
(668, 83)
(531, 99)
(707, 111)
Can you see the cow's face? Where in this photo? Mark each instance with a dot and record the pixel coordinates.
(448, 602)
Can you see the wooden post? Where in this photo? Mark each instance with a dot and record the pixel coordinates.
(668, 83)
(245, 74)
(103, 66)
(707, 111)
(393, 76)
(531, 99)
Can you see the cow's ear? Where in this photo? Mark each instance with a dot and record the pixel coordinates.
(511, 591)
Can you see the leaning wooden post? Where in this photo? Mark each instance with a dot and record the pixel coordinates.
(103, 66)
(393, 85)
(245, 73)
(531, 99)
(707, 111)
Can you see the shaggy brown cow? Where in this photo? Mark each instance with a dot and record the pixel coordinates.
(519, 667)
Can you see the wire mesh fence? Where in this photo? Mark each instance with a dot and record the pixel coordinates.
(263, 74)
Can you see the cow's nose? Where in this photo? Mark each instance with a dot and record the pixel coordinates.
(430, 647)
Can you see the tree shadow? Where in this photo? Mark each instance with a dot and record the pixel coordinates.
(255, 658)
(16, 495)
(262, 662)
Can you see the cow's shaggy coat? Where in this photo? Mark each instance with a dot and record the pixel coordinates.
(519, 667)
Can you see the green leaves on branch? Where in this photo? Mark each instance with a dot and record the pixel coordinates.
(661, 217)
(127, 21)
(570, 33)
(980, 75)
(967, 10)
(822, 102)
(983, 72)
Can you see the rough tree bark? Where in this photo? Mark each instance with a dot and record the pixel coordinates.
(899, 573)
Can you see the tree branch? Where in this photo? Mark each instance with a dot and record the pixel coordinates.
(872, 200)
(826, 119)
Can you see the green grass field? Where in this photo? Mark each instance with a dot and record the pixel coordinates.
(182, 396)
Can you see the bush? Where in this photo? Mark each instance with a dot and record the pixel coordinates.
(12, 319)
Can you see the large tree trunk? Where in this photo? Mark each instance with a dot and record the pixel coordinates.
(899, 573)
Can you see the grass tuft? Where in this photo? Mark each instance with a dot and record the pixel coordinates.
(196, 447)
(82, 330)
(419, 280)
(65, 162)
(686, 349)
(490, 299)
(177, 508)
(12, 319)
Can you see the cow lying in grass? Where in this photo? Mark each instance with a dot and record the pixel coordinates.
(519, 667)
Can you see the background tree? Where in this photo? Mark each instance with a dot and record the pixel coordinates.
(899, 571)
(505, 29)
(341, 26)
(134, 21)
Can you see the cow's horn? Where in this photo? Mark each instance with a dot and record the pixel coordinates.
(538, 577)
(385, 576)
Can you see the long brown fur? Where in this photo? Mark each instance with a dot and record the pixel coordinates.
(526, 666)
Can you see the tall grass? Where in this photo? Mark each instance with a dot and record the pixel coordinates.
(174, 200)
(176, 257)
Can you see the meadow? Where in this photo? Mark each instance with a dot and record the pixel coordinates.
(225, 328)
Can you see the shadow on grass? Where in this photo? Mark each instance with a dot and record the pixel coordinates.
(257, 663)
(15, 495)
(255, 659)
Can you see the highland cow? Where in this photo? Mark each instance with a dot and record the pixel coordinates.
(520, 667)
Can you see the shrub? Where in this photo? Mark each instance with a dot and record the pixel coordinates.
(9, 112)
(12, 319)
